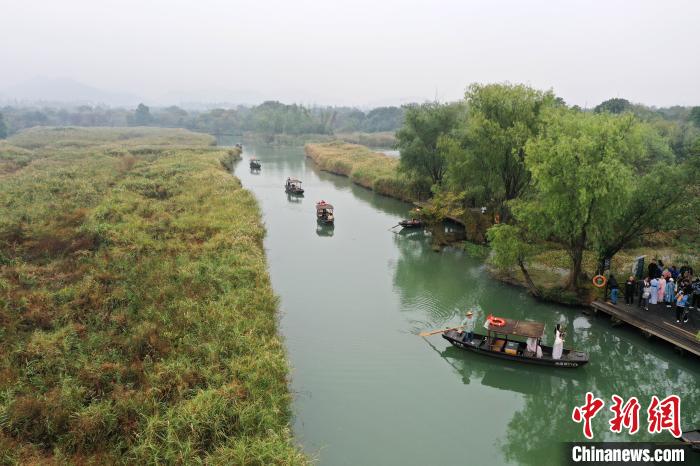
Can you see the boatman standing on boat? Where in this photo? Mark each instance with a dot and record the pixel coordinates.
(468, 327)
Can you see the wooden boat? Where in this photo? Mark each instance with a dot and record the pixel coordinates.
(692, 438)
(293, 186)
(255, 164)
(499, 343)
(324, 213)
(411, 223)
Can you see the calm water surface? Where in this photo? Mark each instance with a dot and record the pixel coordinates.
(369, 391)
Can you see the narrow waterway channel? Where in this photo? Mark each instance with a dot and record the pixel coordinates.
(368, 390)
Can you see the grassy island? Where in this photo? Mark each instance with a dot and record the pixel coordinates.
(373, 170)
(137, 319)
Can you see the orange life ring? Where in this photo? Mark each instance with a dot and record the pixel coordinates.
(599, 281)
(496, 321)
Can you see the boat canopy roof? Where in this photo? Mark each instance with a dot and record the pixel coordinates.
(293, 180)
(324, 205)
(521, 328)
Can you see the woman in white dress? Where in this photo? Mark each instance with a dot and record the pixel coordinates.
(558, 343)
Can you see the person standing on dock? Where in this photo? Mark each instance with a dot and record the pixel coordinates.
(696, 293)
(662, 289)
(654, 296)
(670, 292)
(630, 285)
(681, 303)
(646, 292)
(614, 289)
(654, 271)
(468, 327)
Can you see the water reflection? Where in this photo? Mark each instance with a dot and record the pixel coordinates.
(323, 229)
(295, 198)
(389, 285)
(435, 289)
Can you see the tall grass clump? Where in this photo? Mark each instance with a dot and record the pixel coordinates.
(137, 320)
(372, 170)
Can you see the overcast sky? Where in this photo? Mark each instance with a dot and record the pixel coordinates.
(356, 52)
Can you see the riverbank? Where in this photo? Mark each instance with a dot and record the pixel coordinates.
(369, 169)
(548, 269)
(138, 321)
(380, 290)
(384, 140)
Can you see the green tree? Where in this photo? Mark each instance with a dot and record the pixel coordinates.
(582, 167)
(695, 116)
(422, 155)
(615, 105)
(501, 119)
(644, 211)
(511, 246)
(383, 119)
(142, 116)
(3, 127)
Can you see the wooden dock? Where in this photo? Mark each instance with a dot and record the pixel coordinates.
(659, 321)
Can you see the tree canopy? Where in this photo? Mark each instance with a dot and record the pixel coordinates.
(3, 127)
(142, 116)
(615, 105)
(584, 169)
(420, 139)
(501, 119)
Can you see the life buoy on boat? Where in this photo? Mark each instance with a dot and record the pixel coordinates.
(599, 281)
(496, 321)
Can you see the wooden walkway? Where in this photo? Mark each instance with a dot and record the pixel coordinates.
(659, 321)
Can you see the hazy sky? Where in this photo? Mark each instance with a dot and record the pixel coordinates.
(356, 52)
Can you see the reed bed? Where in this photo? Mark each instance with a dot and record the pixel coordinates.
(372, 170)
(137, 320)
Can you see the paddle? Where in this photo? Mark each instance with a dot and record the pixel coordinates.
(397, 225)
(427, 334)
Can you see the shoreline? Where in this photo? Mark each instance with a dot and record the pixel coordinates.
(372, 170)
(344, 159)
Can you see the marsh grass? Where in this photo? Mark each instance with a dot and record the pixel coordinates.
(372, 170)
(137, 320)
(384, 139)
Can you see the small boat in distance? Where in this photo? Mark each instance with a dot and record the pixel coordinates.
(255, 164)
(324, 213)
(412, 223)
(498, 342)
(293, 186)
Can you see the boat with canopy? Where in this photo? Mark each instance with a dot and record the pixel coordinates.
(324, 213)
(503, 340)
(293, 186)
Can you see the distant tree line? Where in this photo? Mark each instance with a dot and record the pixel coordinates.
(549, 173)
(269, 117)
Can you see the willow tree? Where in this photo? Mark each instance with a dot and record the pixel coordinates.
(583, 169)
(501, 119)
(512, 245)
(418, 139)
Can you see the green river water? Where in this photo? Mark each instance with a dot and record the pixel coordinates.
(369, 391)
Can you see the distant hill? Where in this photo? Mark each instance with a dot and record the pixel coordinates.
(63, 91)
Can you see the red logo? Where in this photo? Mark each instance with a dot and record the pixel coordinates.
(661, 414)
(626, 416)
(665, 415)
(587, 412)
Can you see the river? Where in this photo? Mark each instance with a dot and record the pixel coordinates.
(368, 390)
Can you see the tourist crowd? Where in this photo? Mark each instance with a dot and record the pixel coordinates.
(677, 288)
